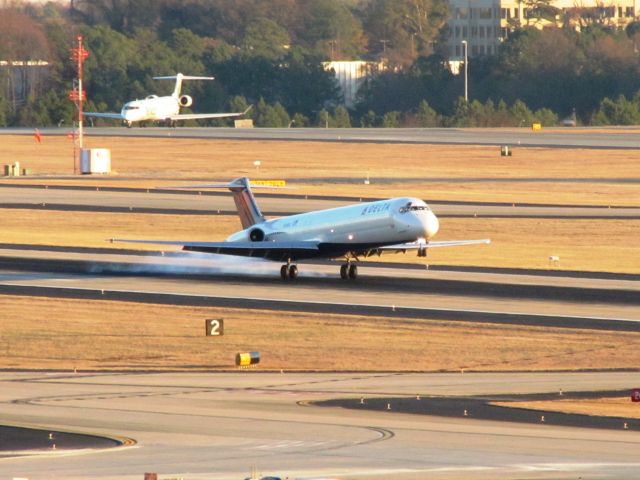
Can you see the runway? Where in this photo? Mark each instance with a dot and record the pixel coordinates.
(221, 426)
(581, 137)
(130, 200)
(212, 280)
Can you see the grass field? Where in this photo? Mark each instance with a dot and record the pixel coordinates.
(40, 333)
(606, 407)
(432, 172)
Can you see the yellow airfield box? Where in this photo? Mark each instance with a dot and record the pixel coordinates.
(248, 358)
(269, 183)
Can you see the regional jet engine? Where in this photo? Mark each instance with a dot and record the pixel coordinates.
(185, 101)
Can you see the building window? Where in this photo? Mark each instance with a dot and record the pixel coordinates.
(457, 50)
(465, 31)
(457, 31)
(474, 50)
(462, 13)
(481, 31)
(474, 31)
(629, 12)
(485, 12)
(505, 13)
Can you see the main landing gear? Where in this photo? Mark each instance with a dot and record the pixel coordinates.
(349, 270)
(289, 272)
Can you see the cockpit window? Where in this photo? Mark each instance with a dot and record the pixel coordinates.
(413, 208)
(132, 107)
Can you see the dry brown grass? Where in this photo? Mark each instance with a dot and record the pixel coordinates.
(606, 407)
(152, 162)
(520, 243)
(39, 333)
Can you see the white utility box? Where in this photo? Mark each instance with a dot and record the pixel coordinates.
(95, 160)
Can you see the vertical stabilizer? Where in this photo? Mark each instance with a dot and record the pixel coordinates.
(178, 87)
(245, 202)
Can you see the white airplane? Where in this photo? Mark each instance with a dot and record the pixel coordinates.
(361, 230)
(164, 109)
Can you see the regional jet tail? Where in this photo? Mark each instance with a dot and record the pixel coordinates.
(164, 109)
(361, 230)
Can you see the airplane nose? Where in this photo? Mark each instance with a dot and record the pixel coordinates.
(431, 225)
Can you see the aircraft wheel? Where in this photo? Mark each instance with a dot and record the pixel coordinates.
(293, 272)
(344, 271)
(284, 272)
(353, 272)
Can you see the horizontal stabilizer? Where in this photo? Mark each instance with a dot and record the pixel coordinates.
(183, 77)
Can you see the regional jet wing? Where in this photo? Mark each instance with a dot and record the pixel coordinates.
(281, 251)
(199, 116)
(418, 245)
(117, 116)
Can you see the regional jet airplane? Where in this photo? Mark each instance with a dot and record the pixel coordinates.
(162, 109)
(351, 232)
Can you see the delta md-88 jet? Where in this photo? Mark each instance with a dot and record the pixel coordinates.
(350, 232)
(164, 109)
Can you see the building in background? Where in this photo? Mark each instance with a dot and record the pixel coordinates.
(21, 78)
(484, 24)
(351, 75)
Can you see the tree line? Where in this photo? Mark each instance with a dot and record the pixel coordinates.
(269, 54)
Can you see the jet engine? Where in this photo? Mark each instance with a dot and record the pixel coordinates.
(256, 235)
(185, 101)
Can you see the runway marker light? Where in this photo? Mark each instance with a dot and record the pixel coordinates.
(465, 414)
(561, 392)
(388, 406)
(625, 426)
(542, 418)
(51, 436)
(53, 447)
(393, 308)
(417, 396)
(361, 400)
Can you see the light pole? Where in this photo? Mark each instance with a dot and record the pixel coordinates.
(466, 77)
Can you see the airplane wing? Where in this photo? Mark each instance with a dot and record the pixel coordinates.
(400, 247)
(280, 251)
(116, 116)
(200, 116)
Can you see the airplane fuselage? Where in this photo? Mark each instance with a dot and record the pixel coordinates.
(152, 108)
(353, 228)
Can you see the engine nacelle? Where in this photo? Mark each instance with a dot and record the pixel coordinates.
(256, 235)
(185, 101)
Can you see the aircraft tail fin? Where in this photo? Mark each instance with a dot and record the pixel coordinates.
(179, 78)
(246, 204)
